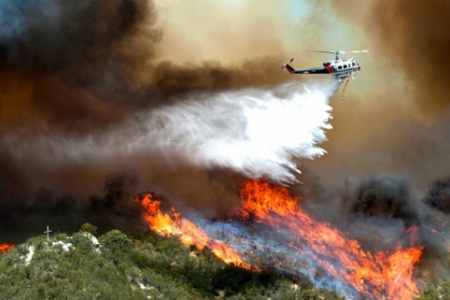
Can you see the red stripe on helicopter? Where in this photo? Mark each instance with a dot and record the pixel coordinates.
(290, 69)
(329, 68)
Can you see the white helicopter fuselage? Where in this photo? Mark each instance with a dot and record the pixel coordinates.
(341, 68)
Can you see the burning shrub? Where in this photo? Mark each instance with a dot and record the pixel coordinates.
(438, 195)
(6, 247)
(385, 196)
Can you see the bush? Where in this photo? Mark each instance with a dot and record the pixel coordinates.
(116, 246)
(89, 228)
(438, 195)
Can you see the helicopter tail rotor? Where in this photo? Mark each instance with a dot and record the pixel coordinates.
(284, 66)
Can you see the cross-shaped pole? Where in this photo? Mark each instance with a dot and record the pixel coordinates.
(48, 233)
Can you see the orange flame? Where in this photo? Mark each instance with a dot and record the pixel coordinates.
(376, 276)
(189, 234)
(6, 247)
(379, 276)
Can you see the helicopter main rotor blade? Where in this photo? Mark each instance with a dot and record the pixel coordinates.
(325, 51)
(340, 51)
(353, 51)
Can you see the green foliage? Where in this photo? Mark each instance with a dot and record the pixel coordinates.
(54, 272)
(82, 242)
(433, 292)
(232, 280)
(152, 267)
(116, 242)
(116, 246)
(89, 228)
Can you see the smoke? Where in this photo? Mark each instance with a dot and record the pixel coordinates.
(413, 36)
(105, 99)
(90, 90)
(379, 209)
(73, 66)
(401, 103)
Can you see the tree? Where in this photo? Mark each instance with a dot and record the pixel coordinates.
(89, 228)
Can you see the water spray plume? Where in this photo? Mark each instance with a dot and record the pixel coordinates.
(254, 132)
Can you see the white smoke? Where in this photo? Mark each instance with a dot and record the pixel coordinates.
(257, 133)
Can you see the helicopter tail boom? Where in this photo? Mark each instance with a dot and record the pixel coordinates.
(288, 67)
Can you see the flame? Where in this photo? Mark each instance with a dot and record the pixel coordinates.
(189, 234)
(6, 247)
(379, 276)
(315, 249)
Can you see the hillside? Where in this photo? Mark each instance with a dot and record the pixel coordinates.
(145, 266)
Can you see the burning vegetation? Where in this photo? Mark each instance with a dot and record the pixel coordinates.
(311, 249)
(388, 196)
(6, 247)
(438, 195)
(172, 224)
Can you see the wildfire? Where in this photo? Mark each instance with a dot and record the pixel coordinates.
(6, 247)
(379, 276)
(314, 249)
(189, 234)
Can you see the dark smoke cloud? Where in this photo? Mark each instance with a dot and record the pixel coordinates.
(67, 68)
(438, 195)
(382, 197)
(49, 36)
(76, 69)
(386, 196)
(66, 63)
(172, 80)
(87, 63)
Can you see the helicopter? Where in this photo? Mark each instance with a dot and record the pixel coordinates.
(341, 69)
